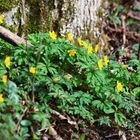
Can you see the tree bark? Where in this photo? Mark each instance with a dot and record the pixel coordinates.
(62, 16)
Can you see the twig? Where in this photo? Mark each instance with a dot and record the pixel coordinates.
(32, 131)
(122, 135)
(133, 35)
(18, 123)
(132, 16)
(33, 88)
(112, 135)
(54, 133)
(63, 117)
(139, 52)
(123, 17)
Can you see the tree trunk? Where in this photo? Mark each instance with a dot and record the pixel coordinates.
(62, 16)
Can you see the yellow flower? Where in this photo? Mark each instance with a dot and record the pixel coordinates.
(1, 98)
(71, 52)
(119, 86)
(4, 78)
(97, 48)
(124, 66)
(106, 60)
(1, 19)
(55, 79)
(100, 64)
(32, 70)
(90, 49)
(52, 35)
(7, 61)
(85, 44)
(80, 42)
(70, 37)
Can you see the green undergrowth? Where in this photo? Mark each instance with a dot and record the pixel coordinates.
(71, 78)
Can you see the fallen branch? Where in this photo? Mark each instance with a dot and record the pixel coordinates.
(112, 136)
(63, 117)
(122, 135)
(132, 16)
(12, 38)
(54, 134)
(51, 132)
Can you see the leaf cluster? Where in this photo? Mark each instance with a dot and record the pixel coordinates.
(71, 84)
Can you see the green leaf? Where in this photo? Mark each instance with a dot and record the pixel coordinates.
(44, 123)
(42, 68)
(136, 47)
(12, 90)
(82, 137)
(24, 130)
(136, 7)
(136, 91)
(120, 8)
(100, 75)
(35, 137)
(122, 53)
(2, 71)
(108, 110)
(96, 102)
(12, 87)
(89, 77)
(120, 118)
(25, 123)
(37, 117)
(104, 120)
(130, 21)
(117, 20)
(52, 70)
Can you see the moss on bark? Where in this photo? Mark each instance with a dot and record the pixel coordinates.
(6, 5)
(39, 18)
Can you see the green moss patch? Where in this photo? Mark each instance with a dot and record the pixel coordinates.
(6, 5)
